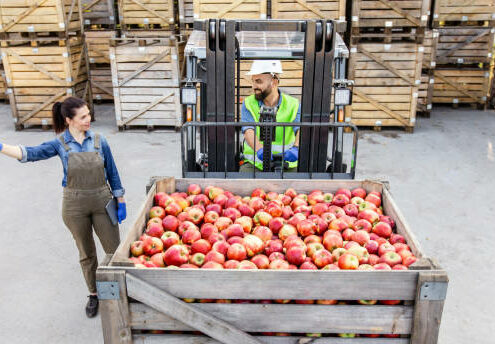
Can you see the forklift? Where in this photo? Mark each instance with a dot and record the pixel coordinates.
(212, 61)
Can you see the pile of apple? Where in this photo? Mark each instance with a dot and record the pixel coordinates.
(216, 229)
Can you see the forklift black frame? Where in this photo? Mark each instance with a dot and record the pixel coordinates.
(220, 144)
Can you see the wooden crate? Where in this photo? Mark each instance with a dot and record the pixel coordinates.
(308, 9)
(186, 13)
(101, 82)
(146, 14)
(57, 16)
(46, 66)
(390, 14)
(463, 12)
(387, 78)
(134, 299)
(462, 86)
(3, 88)
(98, 43)
(32, 106)
(230, 9)
(145, 78)
(100, 13)
(465, 45)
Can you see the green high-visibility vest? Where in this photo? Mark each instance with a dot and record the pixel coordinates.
(287, 112)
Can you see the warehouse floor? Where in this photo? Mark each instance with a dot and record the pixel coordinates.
(442, 178)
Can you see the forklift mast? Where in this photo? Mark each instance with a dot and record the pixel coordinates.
(213, 56)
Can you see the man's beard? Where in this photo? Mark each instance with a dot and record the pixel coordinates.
(262, 95)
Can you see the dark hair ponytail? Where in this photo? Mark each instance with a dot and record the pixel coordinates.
(63, 110)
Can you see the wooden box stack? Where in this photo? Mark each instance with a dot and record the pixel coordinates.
(145, 78)
(465, 50)
(44, 57)
(140, 18)
(308, 9)
(98, 43)
(229, 9)
(3, 88)
(99, 14)
(386, 57)
(141, 305)
(425, 97)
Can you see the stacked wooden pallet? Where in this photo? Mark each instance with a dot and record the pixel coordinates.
(98, 43)
(386, 57)
(145, 78)
(140, 18)
(425, 96)
(44, 57)
(99, 14)
(463, 71)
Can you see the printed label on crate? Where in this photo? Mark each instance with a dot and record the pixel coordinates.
(87, 21)
(30, 28)
(342, 18)
(111, 18)
(174, 57)
(181, 17)
(15, 119)
(35, 50)
(1, 27)
(112, 56)
(65, 54)
(483, 98)
(115, 93)
(141, 49)
(429, 107)
(412, 120)
(415, 95)
(460, 60)
(424, 17)
(433, 63)
(421, 49)
(492, 30)
(262, 16)
(487, 74)
(347, 119)
(417, 82)
(493, 15)
(455, 100)
(44, 122)
(69, 91)
(464, 18)
(389, 24)
(61, 25)
(196, 16)
(9, 91)
(353, 50)
(146, 21)
(387, 46)
(355, 18)
(432, 81)
(435, 16)
(378, 123)
(489, 55)
(68, 79)
(98, 97)
(435, 34)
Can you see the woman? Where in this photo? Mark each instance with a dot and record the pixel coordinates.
(89, 173)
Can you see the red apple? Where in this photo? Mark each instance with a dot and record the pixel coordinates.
(340, 200)
(211, 217)
(331, 242)
(193, 189)
(235, 230)
(214, 237)
(286, 231)
(348, 261)
(154, 229)
(382, 229)
(397, 238)
(201, 246)
(400, 246)
(373, 259)
(279, 264)
(208, 229)
(223, 222)
(369, 215)
(372, 246)
(358, 192)
(137, 248)
(214, 256)
(246, 223)
(399, 267)
(157, 211)
(338, 225)
(201, 199)
(287, 212)
(258, 192)
(306, 227)
(233, 202)
(337, 253)
(261, 261)
(362, 224)
(221, 247)
(152, 245)
(351, 210)
(276, 255)
(347, 234)
(409, 260)
(234, 240)
(214, 192)
(214, 207)
(176, 255)
(262, 232)
(273, 246)
(388, 220)
(169, 238)
(212, 265)
(232, 213)
(382, 266)
(246, 210)
(308, 266)
(197, 259)
(290, 192)
(237, 252)
(275, 224)
(361, 237)
(247, 265)
(322, 258)
(253, 244)
(296, 255)
(231, 264)
(384, 248)
(373, 198)
(191, 235)
(256, 203)
(344, 191)
(360, 252)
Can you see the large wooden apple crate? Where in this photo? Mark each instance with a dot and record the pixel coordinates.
(100, 13)
(308, 9)
(186, 14)
(465, 12)
(139, 15)
(98, 43)
(389, 14)
(386, 82)
(42, 16)
(425, 93)
(37, 77)
(134, 299)
(462, 86)
(465, 45)
(145, 78)
(230, 9)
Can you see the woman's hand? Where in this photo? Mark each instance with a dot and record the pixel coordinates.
(121, 211)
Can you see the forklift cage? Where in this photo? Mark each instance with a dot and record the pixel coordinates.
(203, 128)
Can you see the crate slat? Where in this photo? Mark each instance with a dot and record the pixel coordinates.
(385, 13)
(308, 9)
(461, 45)
(229, 9)
(99, 12)
(463, 11)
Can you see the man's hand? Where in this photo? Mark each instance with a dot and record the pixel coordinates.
(260, 154)
(121, 212)
(292, 154)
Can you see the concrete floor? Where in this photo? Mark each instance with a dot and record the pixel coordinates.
(441, 177)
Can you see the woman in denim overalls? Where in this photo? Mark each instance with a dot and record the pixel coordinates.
(90, 181)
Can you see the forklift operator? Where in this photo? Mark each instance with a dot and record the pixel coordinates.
(265, 81)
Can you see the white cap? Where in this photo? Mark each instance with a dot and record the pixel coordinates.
(265, 66)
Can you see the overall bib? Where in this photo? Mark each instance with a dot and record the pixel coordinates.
(83, 208)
